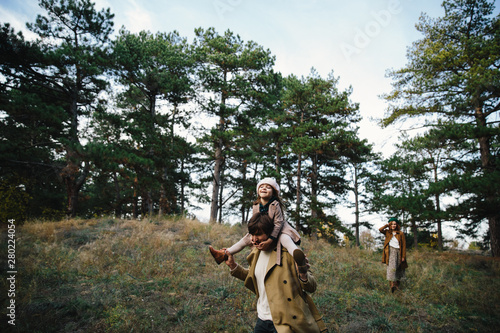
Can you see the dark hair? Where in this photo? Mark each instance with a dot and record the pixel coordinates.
(260, 222)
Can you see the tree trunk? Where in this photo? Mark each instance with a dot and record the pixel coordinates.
(243, 170)
(73, 188)
(150, 203)
(415, 233)
(314, 188)
(440, 234)
(183, 185)
(356, 203)
(438, 222)
(74, 179)
(221, 190)
(297, 203)
(219, 159)
(277, 162)
(299, 172)
(135, 203)
(72, 194)
(491, 189)
(438, 212)
(494, 235)
(163, 199)
(118, 205)
(71, 171)
(216, 183)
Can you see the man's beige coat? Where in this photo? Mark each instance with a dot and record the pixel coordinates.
(292, 308)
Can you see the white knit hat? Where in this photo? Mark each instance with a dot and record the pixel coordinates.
(270, 181)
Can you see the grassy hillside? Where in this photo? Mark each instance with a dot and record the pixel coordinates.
(109, 275)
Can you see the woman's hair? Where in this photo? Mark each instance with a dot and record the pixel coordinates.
(398, 228)
(260, 222)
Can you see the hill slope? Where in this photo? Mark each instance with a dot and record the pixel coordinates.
(108, 275)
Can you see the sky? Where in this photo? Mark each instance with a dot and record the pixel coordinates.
(357, 40)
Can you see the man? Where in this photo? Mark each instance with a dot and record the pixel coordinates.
(282, 302)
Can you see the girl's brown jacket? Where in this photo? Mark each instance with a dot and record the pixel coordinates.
(280, 226)
(400, 236)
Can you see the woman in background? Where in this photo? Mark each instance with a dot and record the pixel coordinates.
(394, 254)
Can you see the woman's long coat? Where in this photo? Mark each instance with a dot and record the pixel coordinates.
(291, 307)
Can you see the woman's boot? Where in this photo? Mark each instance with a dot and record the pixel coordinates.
(393, 286)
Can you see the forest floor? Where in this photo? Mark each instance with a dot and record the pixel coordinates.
(156, 275)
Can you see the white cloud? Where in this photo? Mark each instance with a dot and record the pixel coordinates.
(137, 17)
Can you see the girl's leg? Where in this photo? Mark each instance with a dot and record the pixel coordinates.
(288, 243)
(241, 244)
(295, 251)
(221, 255)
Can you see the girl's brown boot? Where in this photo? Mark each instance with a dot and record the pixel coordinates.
(219, 255)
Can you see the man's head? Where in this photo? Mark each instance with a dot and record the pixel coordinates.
(260, 227)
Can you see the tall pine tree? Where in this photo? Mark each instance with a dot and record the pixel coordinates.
(229, 75)
(453, 76)
(66, 78)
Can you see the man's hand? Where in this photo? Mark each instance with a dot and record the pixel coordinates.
(303, 276)
(230, 261)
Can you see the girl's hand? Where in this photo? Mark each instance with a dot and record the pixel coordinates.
(265, 245)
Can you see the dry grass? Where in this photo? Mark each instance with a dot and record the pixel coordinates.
(108, 275)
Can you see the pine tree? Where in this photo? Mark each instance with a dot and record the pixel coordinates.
(359, 156)
(318, 122)
(155, 71)
(397, 188)
(433, 149)
(452, 76)
(230, 76)
(64, 72)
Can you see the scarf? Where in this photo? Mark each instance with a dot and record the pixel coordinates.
(265, 208)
